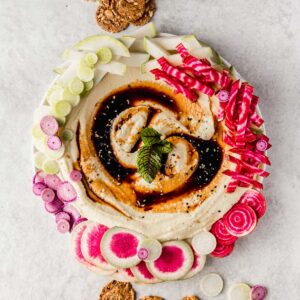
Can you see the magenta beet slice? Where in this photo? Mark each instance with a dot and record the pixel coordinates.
(54, 206)
(66, 192)
(221, 233)
(222, 250)
(75, 175)
(38, 177)
(262, 145)
(62, 215)
(38, 188)
(258, 292)
(49, 125)
(143, 253)
(72, 211)
(63, 226)
(256, 201)
(48, 195)
(52, 181)
(54, 142)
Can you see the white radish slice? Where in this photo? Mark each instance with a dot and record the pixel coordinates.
(239, 291)
(63, 226)
(72, 211)
(66, 192)
(175, 261)
(135, 60)
(124, 275)
(204, 243)
(39, 159)
(198, 265)
(119, 247)
(54, 154)
(104, 55)
(114, 67)
(212, 285)
(149, 249)
(48, 195)
(54, 142)
(50, 166)
(90, 246)
(76, 86)
(54, 206)
(142, 273)
(38, 188)
(40, 144)
(49, 125)
(52, 181)
(153, 49)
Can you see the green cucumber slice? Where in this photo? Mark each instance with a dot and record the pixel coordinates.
(62, 108)
(84, 72)
(91, 58)
(104, 55)
(76, 86)
(50, 167)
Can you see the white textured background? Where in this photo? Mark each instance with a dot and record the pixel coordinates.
(260, 38)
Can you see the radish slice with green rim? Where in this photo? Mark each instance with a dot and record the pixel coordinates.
(75, 175)
(38, 188)
(222, 250)
(66, 192)
(62, 215)
(119, 247)
(258, 292)
(175, 261)
(39, 159)
(204, 243)
(256, 201)
(104, 55)
(54, 206)
(52, 181)
(198, 265)
(63, 226)
(240, 220)
(212, 285)
(149, 249)
(142, 273)
(221, 233)
(49, 125)
(239, 291)
(54, 142)
(67, 135)
(50, 166)
(48, 195)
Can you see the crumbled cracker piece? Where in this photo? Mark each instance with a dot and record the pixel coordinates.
(116, 290)
(147, 15)
(131, 10)
(151, 298)
(191, 298)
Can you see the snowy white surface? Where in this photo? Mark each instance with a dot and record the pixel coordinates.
(260, 38)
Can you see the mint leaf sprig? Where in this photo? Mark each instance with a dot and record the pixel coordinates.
(149, 159)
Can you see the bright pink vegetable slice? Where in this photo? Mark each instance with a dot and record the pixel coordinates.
(201, 66)
(222, 250)
(63, 226)
(78, 221)
(223, 96)
(54, 206)
(38, 188)
(252, 155)
(258, 292)
(243, 178)
(76, 175)
(54, 142)
(182, 50)
(255, 200)
(62, 215)
(261, 145)
(66, 192)
(143, 253)
(231, 106)
(240, 220)
(38, 177)
(49, 125)
(48, 195)
(221, 233)
(72, 210)
(256, 119)
(52, 181)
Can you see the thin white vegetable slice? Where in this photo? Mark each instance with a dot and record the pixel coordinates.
(40, 112)
(148, 30)
(84, 72)
(50, 167)
(127, 40)
(153, 49)
(212, 285)
(114, 67)
(55, 95)
(76, 86)
(62, 108)
(138, 46)
(88, 85)
(135, 60)
(168, 42)
(39, 159)
(54, 154)
(204, 243)
(37, 132)
(239, 291)
(70, 97)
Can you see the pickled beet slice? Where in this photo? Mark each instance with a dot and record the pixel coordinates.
(52, 181)
(54, 206)
(66, 192)
(38, 188)
(48, 195)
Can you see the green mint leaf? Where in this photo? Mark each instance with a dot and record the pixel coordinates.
(150, 136)
(165, 147)
(148, 162)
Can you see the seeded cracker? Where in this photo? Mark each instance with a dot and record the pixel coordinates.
(191, 298)
(116, 290)
(131, 10)
(147, 16)
(151, 298)
(109, 19)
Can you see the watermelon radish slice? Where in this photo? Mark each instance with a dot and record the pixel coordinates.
(175, 261)
(198, 265)
(240, 220)
(256, 201)
(222, 250)
(124, 275)
(90, 246)
(222, 235)
(119, 247)
(142, 273)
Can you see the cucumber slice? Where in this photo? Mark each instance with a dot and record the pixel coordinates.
(62, 108)
(88, 85)
(153, 49)
(62, 67)
(70, 97)
(76, 86)
(39, 159)
(50, 167)
(135, 60)
(212, 285)
(84, 72)
(95, 42)
(239, 291)
(104, 55)
(91, 58)
(114, 67)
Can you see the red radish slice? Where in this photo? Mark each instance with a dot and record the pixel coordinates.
(252, 155)
(72, 210)
(38, 177)
(62, 215)
(48, 195)
(149, 249)
(53, 207)
(261, 145)
(119, 247)
(222, 250)
(240, 220)
(182, 50)
(204, 243)
(256, 201)
(243, 178)
(175, 261)
(52, 181)
(221, 233)
(198, 265)
(38, 188)
(75, 175)
(142, 273)
(54, 142)
(90, 246)
(258, 292)
(49, 125)
(223, 96)
(66, 192)
(63, 226)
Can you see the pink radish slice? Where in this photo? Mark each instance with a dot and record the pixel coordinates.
(54, 142)
(258, 292)
(222, 235)
(75, 175)
(72, 210)
(52, 181)
(261, 145)
(256, 201)
(49, 125)
(63, 226)
(198, 265)
(66, 192)
(48, 195)
(78, 221)
(240, 220)
(38, 188)
(54, 206)
(143, 253)
(38, 177)
(142, 273)
(223, 95)
(90, 246)
(222, 250)
(62, 215)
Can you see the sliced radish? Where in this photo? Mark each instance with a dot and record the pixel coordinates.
(175, 261)
(119, 247)
(63, 226)
(149, 249)
(48, 195)
(52, 181)
(240, 220)
(262, 145)
(78, 221)
(222, 250)
(49, 125)
(62, 215)
(72, 210)
(212, 285)
(124, 275)
(204, 243)
(54, 206)
(66, 192)
(221, 233)
(258, 292)
(198, 265)
(38, 188)
(142, 273)
(54, 142)
(256, 201)
(75, 175)
(223, 95)
(90, 246)
(39, 176)
(239, 291)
